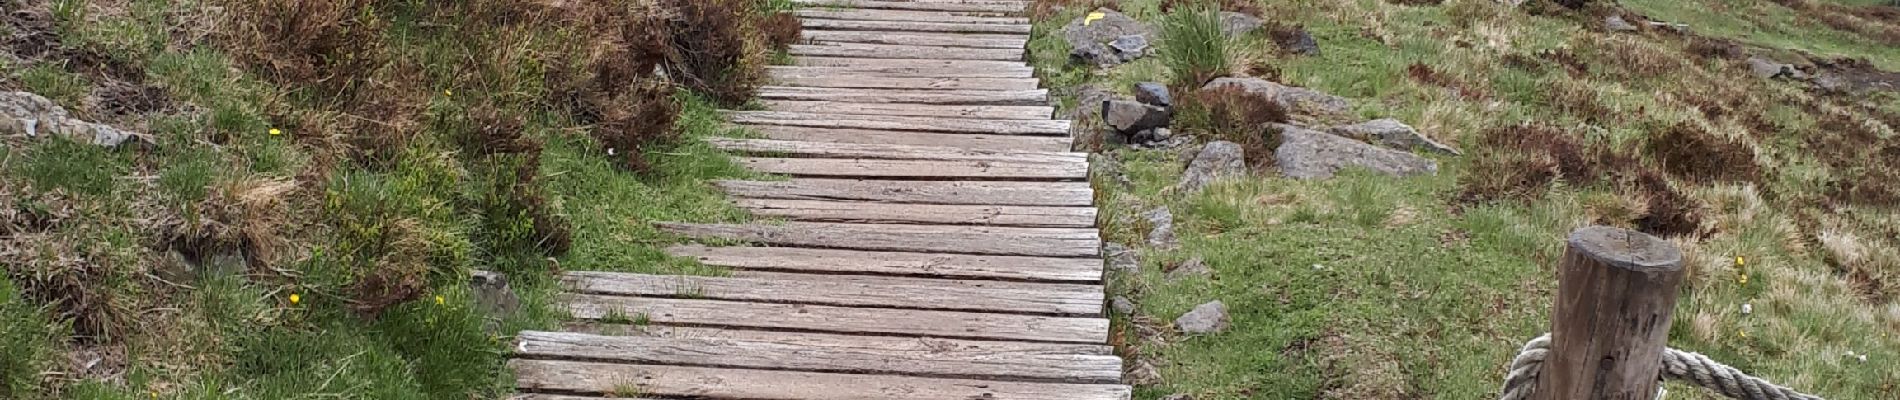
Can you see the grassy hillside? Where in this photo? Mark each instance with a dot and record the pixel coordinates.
(1367, 286)
(320, 177)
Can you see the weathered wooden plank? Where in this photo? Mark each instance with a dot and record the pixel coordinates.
(972, 40)
(948, 65)
(984, 97)
(903, 52)
(917, 110)
(960, 140)
(845, 290)
(918, 192)
(837, 211)
(826, 354)
(791, 148)
(895, 263)
(1007, 241)
(907, 15)
(912, 26)
(998, 8)
(837, 340)
(753, 384)
(898, 82)
(916, 169)
(902, 123)
(848, 320)
(542, 396)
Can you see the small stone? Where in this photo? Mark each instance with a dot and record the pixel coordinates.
(29, 114)
(1296, 40)
(1095, 54)
(1121, 258)
(1205, 318)
(1162, 235)
(1295, 99)
(1747, 309)
(1144, 373)
(1122, 305)
(1216, 160)
(1236, 24)
(1767, 69)
(1831, 82)
(1128, 117)
(1154, 94)
(1616, 23)
(1392, 133)
(1178, 397)
(493, 296)
(1151, 136)
(1308, 154)
(1192, 268)
(1129, 47)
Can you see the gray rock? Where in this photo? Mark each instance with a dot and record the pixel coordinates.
(1088, 101)
(1392, 133)
(1295, 99)
(1122, 305)
(1144, 373)
(1178, 397)
(1162, 235)
(1216, 160)
(1236, 24)
(1105, 168)
(1297, 41)
(1307, 154)
(1206, 318)
(1129, 47)
(1121, 258)
(23, 113)
(1096, 54)
(1767, 69)
(1128, 117)
(1163, 139)
(493, 296)
(1192, 268)
(1090, 41)
(1152, 93)
(1616, 23)
(1831, 82)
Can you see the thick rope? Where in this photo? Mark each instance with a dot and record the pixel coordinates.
(1677, 364)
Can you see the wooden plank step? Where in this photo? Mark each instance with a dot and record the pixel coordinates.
(830, 340)
(912, 26)
(1035, 97)
(907, 15)
(903, 72)
(790, 148)
(891, 82)
(915, 110)
(918, 39)
(836, 211)
(997, 8)
(1044, 127)
(851, 291)
(1007, 241)
(862, 50)
(823, 353)
(895, 263)
(752, 384)
(949, 65)
(916, 169)
(960, 140)
(846, 320)
(917, 192)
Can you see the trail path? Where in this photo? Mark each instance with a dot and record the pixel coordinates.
(941, 241)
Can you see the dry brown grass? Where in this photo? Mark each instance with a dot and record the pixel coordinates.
(1462, 88)
(711, 49)
(1518, 163)
(1693, 153)
(1244, 118)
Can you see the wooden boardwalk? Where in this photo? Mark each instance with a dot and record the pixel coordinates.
(940, 240)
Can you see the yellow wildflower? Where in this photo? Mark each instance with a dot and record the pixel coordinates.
(1740, 262)
(438, 300)
(294, 298)
(275, 131)
(447, 92)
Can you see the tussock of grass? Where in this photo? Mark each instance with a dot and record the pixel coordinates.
(1193, 47)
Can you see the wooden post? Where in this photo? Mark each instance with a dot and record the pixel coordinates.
(1615, 299)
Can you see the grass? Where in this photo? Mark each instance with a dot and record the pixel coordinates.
(1194, 47)
(1366, 286)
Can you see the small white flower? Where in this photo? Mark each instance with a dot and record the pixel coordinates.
(1317, 267)
(1863, 358)
(610, 151)
(1747, 308)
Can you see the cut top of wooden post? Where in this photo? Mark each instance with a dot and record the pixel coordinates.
(1626, 249)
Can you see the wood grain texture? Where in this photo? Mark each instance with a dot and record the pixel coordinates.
(916, 169)
(824, 354)
(995, 8)
(907, 15)
(959, 140)
(988, 97)
(895, 51)
(912, 26)
(802, 149)
(847, 320)
(839, 340)
(901, 123)
(914, 110)
(843, 290)
(1609, 327)
(901, 71)
(889, 82)
(980, 41)
(917, 192)
(885, 213)
(1009, 241)
(951, 65)
(895, 263)
(721, 384)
